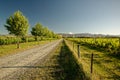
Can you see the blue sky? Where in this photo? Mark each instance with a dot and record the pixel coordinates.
(76, 16)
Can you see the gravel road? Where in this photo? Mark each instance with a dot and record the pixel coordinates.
(12, 65)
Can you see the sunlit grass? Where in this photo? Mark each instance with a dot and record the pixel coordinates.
(10, 49)
(105, 67)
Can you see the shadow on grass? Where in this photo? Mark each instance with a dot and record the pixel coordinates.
(70, 69)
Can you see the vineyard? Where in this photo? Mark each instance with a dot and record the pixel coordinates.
(110, 45)
(8, 43)
(106, 60)
(88, 58)
(6, 40)
(60, 40)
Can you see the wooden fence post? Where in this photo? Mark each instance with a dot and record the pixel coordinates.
(78, 46)
(91, 68)
(73, 45)
(91, 63)
(119, 42)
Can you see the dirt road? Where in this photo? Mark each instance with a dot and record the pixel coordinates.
(14, 64)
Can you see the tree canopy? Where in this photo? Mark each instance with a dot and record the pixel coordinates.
(17, 24)
(37, 30)
(40, 30)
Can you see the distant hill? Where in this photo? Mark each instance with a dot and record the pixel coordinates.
(86, 35)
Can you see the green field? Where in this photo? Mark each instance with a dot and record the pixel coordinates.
(106, 65)
(110, 45)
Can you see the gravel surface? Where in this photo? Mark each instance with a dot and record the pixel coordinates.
(13, 65)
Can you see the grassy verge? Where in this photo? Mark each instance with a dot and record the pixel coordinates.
(11, 49)
(105, 67)
(72, 66)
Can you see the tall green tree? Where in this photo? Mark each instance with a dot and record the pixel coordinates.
(17, 24)
(37, 31)
(46, 32)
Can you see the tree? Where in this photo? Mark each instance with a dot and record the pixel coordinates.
(46, 32)
(37, 30)
(17, 24)
(40, 30)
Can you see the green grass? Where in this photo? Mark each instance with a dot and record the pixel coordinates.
(105, 67)
(11, 49)
(71, 68)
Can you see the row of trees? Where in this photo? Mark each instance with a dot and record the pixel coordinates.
(40, 31)
(17, 24)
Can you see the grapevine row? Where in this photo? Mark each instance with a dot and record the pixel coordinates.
(5, 40)
(110, 45)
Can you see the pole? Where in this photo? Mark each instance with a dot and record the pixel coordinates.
(91, 66)
(91, 63)
(119, 42)
(73, 45)
(78, 51)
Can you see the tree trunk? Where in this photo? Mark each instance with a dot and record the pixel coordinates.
(36, 38)
(18, 43)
